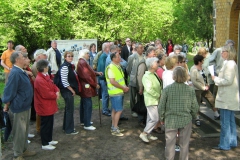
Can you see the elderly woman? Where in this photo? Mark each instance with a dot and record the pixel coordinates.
(45, 96)
(227, 99)
(200, 84)
(178, 50)
(89, 85)
(177, 106)
(152, 92)
(69, 87)
(171, 63)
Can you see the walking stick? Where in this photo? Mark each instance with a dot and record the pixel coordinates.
(99, 108)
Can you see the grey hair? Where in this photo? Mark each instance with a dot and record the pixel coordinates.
(137, 45)
(230, 42)
(104, 45)
(113, 47)
(177, 47)
(15, 56)
(150, 61)
(150, 49)
(53, 41)
(180, 74)
(232, 54)
(38, 52)
(41, 64)
(82, 53)
(18, 47)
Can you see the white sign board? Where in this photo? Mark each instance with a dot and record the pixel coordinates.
(75, 46)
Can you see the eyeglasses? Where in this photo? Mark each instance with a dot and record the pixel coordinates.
(69, 56)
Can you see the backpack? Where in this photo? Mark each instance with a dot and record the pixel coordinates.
(57, 79)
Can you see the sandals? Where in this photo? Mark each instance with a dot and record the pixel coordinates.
(197, 122)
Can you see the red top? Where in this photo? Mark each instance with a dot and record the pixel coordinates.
(28, 69)
(160, 72)
(87, 79)
(170, 49)
(45, 98)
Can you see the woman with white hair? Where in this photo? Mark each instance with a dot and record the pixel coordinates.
(89, 85)
(152, 93)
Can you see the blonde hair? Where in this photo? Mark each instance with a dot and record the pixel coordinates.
(171, 62)
(202, 51)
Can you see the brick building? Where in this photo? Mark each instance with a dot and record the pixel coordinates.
(226, 21)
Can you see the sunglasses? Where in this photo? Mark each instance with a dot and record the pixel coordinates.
(69, 56)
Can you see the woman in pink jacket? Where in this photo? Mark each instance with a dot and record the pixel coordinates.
(45, 95)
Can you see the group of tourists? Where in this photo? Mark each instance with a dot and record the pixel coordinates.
(164, 94)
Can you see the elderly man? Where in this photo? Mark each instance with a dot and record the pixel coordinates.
(102, 81)
(54, 57)
(116, 88)
(133, 61)
(5, 59)
(19, 101)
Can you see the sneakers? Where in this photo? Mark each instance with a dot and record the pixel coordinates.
(152, 137)
(82, 124)
(177, 148)
(48, 147)
(90, 128)
(117, 133)
(31, 135)
(144, 137)
(135, 115)
(121, 130)
(53, 142)
(73, 133)
(198, 122)
(28, 153)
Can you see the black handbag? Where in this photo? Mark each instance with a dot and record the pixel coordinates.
(140, 107)
(2, 123)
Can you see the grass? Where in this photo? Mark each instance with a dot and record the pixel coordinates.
(190, 59)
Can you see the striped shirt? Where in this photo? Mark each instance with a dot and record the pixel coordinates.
(64, 76)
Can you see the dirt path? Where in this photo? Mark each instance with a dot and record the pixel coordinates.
(101, 145)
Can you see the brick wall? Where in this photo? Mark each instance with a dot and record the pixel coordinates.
(227, 15)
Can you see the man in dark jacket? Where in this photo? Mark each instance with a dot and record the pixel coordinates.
(18, 95)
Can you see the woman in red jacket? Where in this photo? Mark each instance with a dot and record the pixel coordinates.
(89, 85)
(45, 95)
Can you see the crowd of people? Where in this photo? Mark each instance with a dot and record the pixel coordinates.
(164, 94)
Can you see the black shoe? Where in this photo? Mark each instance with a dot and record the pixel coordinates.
(217, 118)
(123, 119)
(107, 114)
(218, 148)
(198, 122)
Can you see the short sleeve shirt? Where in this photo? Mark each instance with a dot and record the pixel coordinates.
(6, 58)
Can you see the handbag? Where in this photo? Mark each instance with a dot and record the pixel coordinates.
(140, 107)
(2, 122)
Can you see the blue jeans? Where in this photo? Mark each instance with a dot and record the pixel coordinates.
(228, 135)
(68, 120)
(105, 96)
(86, 111)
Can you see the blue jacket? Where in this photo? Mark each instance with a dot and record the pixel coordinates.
(101, 65)
(18, 91)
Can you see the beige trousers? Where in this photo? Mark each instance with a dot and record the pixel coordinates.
(184, 137)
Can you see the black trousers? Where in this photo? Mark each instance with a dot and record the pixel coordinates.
(46, 129)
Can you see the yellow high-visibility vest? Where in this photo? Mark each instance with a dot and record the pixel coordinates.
(119, 77)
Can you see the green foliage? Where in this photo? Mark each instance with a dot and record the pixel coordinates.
(33, 23)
